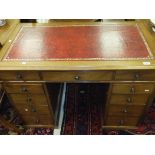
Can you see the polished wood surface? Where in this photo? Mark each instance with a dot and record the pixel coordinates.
(31, 103)
(7, 29)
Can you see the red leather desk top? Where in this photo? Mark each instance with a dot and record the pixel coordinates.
(104, 42)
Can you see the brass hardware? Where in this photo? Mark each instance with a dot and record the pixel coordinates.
(137, 76)
(24, 89)
(125, 110)
(132, 90)
(77, 77)
(129, 100)
(19, 76)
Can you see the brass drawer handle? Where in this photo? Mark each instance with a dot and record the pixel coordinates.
(77, 77)
(24, 89)
(125, 111)
(129, 100)
(19, 76)
(137, 76)
(132, 90)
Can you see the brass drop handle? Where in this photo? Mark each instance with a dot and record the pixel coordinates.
(24, 89)
(19, 76)
(129, 100)
(132, 90)
(137, 76)
(77, 77)
(125, 110)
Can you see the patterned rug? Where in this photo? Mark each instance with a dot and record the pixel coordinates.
(83, 109)
(83, 113)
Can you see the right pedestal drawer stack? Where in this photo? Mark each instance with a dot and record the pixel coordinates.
(128, 99)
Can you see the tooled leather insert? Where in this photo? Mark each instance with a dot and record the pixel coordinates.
(104, 42)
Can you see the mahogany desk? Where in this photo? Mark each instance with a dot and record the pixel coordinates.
(118, 53)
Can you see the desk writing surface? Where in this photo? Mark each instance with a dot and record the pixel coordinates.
(99, 42)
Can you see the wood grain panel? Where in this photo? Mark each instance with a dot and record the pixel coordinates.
(147, 75)
(78, 76)
(24, 88)
(132, 88)
(128, 99)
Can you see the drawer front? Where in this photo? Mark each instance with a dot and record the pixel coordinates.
(45, 120)
(30, 120)
(24, 88)
(120, 121)
(120, 110)
(135, 75)
(24, 98)
(23, 109)
(38, 120)
(19, 76)
(42, 110)
(78, 76)
(132, 88)
(128, 99)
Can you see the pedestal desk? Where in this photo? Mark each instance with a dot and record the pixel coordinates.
(118, 53)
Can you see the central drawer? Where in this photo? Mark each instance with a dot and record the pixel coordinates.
(24, 88)
(132, 88)
(77, 76)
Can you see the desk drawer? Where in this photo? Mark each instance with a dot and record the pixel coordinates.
(19, 76)
(24, 88)
(128, 99)
(24, 98)
(132, 88)
(23, 109)
(120, 110)
(120, 121)
(43, 110)
(77, 76)
(45, 120)
(147, 75)
(38, 120)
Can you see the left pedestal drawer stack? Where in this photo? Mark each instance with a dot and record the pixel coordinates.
(32, 103)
